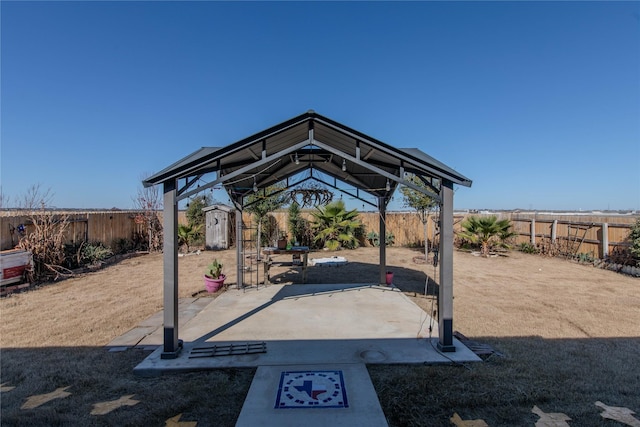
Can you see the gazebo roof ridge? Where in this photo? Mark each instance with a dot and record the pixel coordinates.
(338, 143)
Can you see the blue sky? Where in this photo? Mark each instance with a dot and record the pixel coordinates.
(538, 103)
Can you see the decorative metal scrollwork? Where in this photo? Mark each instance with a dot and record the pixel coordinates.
(311, 195)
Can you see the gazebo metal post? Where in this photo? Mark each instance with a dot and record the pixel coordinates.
(172, 345)
(239, 249)
(445, 293)
(383, 241)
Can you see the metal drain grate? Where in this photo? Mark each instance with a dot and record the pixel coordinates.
(228, 350)
(483, 350)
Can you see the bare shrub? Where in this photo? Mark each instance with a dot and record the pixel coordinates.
(148, 201)
(547, 247)
(621, 255)
(46, 241)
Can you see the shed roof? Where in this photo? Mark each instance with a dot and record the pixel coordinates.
(223, 208)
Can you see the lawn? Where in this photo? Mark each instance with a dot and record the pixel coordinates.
(568, 334)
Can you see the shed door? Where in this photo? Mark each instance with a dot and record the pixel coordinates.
(217, 230)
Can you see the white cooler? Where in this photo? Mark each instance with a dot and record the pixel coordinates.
(12, 265)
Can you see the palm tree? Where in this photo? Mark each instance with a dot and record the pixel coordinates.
(187, 233)
(336, 227)
(487, 232)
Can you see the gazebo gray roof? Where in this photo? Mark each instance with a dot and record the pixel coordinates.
(327, 152)
(308, 143)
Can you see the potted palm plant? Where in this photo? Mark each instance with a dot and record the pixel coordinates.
(213, 277)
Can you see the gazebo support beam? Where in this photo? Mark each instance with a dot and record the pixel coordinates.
(445, 294)
(172, 345)
(383, 241)
(239, 249)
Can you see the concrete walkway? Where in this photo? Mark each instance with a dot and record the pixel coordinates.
(313, 396)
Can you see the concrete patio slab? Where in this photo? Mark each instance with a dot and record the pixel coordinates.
(306, 352)
(309, 324)
(332, 311)
(148, 334)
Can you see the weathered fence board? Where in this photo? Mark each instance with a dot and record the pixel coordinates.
(102, 227)
(578, 233)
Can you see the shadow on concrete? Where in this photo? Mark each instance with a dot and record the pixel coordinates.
(309, 324)
(288, 292)
(406, 279)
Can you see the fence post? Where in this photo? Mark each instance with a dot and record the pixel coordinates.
(605, 240)
(554, 230)
(533, 231)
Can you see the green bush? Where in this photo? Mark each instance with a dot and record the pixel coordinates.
(634, 239)
(195, 215)
(527, 248)
(92, 253)
(585, 258)
(71, 256)
(298, 226)
(122, 245)
(374, 238)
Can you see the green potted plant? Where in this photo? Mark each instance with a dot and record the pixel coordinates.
(213, 277)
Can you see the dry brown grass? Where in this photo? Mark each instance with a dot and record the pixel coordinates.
(570, 335)
(93, 309)
(94, 375)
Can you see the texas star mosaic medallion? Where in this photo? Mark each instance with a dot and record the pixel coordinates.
(311, 389)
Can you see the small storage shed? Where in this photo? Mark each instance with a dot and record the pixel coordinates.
(218, 234)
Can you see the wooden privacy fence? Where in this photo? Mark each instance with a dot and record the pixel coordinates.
(105, 226)
(596, 235)
(406, 227)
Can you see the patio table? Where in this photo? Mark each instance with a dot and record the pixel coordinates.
(300, 251)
